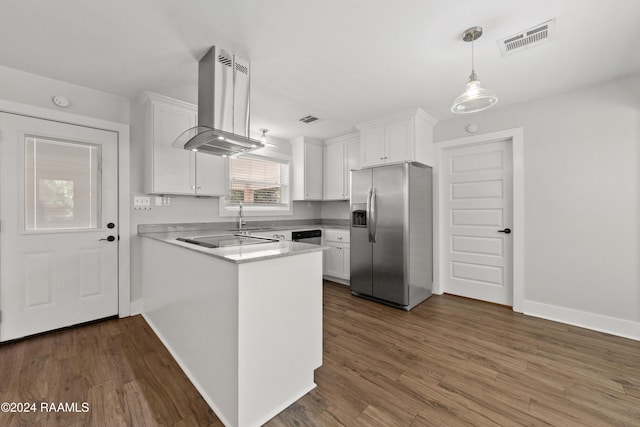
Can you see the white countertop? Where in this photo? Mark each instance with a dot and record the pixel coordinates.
(236, 254)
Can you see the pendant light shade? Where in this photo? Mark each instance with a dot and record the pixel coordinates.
(475, 98)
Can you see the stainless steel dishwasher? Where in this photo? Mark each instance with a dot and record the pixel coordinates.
(307, 236)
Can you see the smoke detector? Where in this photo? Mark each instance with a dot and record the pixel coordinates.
(528, 38)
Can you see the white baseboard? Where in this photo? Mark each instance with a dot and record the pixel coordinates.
(339, 280)
(136, 307)
(583, 319)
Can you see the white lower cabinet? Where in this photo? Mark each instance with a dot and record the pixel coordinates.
(337, 261)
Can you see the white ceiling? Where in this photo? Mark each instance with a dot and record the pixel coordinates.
(345, 61)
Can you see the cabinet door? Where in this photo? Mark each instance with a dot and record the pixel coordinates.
(352, 162)
(334, 172)
(333, 260)
(212, 175)
(398, 142)
(173, 168)
(313, 172)
(372, 148)
(346, 262)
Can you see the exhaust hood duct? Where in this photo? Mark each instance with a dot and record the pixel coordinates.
(223, 107)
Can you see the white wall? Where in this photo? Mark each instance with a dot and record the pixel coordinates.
(338, 209)
(25, 88)
(582, 201)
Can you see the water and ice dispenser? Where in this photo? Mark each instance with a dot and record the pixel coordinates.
(359, 215)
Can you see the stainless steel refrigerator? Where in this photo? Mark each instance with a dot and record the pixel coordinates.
(391, 234)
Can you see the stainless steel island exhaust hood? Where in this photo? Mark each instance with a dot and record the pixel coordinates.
(223, 107)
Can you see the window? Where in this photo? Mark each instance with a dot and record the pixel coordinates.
(258, 183)
(62, 184)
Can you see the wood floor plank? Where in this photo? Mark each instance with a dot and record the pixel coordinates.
(105, 408)
(450, 361)
(136, 409)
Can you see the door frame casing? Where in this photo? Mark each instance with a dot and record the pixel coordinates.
(516, 137)
(122, 131)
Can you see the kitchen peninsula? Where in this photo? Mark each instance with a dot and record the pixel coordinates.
(244, 322)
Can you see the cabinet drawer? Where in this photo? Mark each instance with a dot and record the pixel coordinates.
(336, 235)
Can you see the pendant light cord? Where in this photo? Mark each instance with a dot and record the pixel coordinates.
(473, 76)
(473, 40)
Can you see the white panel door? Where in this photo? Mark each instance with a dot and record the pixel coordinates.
(477, 202)
(58, 206)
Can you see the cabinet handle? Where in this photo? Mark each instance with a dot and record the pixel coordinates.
(339, 237)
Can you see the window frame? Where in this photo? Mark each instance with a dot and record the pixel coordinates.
(251, 209)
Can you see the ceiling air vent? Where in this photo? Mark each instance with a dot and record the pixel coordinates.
(527, 39)
(308, 119)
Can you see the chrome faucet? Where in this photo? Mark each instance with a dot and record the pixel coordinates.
(240, 219)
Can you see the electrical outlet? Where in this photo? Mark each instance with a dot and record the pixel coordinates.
(142, 203)
(159, 200)
(166, 201)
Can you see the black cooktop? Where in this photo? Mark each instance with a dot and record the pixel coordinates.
(225, 241)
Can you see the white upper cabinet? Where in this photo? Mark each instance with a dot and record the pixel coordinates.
(307, 168)
(406, 136)
(170, 170)
(341, 154)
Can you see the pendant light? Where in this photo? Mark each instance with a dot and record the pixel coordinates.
(263, 138)
(475, 97)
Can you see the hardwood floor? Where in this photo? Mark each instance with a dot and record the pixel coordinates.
(118, 366)
(451, 361)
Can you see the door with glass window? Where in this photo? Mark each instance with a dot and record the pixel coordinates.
(59, 230)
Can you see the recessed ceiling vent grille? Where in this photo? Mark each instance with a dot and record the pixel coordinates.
(528, 38)
(309, 119)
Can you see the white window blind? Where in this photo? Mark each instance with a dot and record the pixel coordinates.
(257, 182)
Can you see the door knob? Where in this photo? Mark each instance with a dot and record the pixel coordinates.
(505, 231)
(111, 225)
(109, 239)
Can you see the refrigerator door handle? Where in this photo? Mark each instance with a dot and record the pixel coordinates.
(369, 214)
(374, 217)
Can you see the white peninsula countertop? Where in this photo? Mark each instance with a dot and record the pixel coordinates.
(244, 323)
(235, 254)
